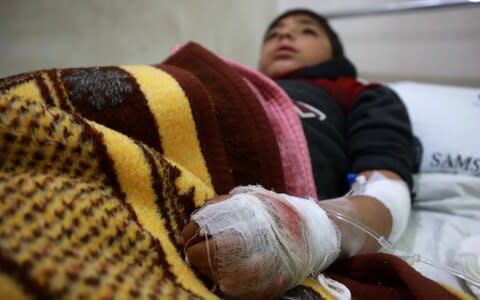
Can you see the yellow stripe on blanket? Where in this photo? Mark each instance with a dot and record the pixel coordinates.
(133, 173)
(460, 294)
(171, 108)
(315, 286)
(11, 289)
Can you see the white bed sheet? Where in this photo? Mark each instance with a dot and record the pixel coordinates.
(446, 211)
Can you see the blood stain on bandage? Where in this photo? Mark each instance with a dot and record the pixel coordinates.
(286, 216)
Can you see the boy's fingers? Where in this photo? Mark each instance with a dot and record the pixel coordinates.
(198, 255)
(191, 234)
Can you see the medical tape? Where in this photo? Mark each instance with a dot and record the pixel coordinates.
(393, 193)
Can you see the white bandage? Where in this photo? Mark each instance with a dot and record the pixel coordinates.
(263, 239)
(394, 194)
(323, 236)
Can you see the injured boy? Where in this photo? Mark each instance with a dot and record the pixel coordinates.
(255, 243)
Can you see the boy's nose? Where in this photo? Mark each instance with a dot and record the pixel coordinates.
(285, 34)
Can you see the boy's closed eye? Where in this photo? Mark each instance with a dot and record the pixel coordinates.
(271, 35)
(309, 31)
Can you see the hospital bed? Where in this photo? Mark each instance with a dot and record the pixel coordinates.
(444, 226)
(445, 222)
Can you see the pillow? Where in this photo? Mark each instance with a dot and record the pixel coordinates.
(446, 121)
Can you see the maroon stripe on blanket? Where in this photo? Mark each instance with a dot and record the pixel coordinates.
(207, 127)
(15, 80)
(21, 273)
(99, 154)
(158, 187)
(384, 276)
(249, 140)
(53, 74)
(112, 97)
(47, 97)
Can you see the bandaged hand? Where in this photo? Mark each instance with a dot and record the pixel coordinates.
(256, 244)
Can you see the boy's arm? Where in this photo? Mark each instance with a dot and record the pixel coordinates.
(366, 210)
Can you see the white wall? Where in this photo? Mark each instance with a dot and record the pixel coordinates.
(441, 46)
(36, 34)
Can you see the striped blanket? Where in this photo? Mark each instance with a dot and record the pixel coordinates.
(101, 167)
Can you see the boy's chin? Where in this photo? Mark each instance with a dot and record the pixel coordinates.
(281, 70)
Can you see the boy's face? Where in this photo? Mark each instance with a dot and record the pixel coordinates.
(295, 42)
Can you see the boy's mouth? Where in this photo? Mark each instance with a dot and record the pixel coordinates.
(285, 50)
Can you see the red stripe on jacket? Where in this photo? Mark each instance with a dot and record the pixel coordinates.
(344, 90)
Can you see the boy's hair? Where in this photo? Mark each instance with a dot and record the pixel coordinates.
(337, 48)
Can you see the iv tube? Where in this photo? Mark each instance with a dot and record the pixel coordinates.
(410, 258)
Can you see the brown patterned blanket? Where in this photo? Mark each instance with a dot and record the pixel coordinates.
(101, 167)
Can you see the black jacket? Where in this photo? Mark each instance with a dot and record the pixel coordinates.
(349, 126)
